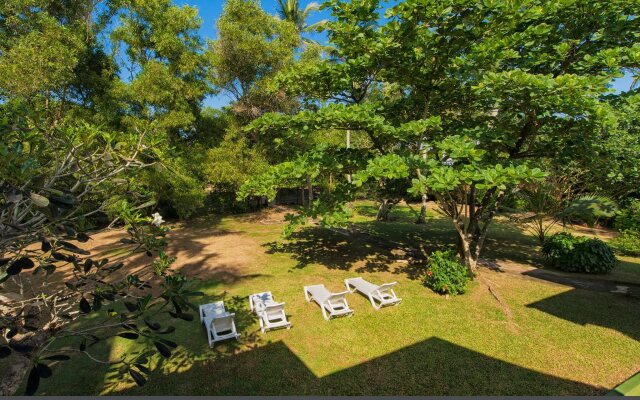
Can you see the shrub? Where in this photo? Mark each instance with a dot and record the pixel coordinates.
(628, 242)
(628, 218)
(445, 274)
(578, 254)
(589, 209)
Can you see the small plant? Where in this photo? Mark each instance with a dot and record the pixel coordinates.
(628, 242)
(578, 254)
(445, 274)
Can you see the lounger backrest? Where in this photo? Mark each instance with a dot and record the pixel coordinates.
(223, 324)
(386, 286)
(337, 298)
(274, 310)
(211, 308)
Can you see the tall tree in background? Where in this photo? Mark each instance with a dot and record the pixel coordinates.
(290, 10)
(490, 90)
(251, 47)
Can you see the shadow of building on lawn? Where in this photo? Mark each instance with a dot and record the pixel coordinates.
(431, 367)
(578, 306)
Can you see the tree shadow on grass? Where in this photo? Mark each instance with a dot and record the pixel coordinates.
(333, 250)
(194, 348)
(376, 246)
(430, 367)
(585, 308)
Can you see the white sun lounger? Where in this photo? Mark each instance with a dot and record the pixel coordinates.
(332, 304)
(379, 296)
(220, 324)
(270, 312)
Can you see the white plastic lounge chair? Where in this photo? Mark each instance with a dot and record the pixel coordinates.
(332, 304)
(216, 308)
(220, 328)
(258, 299)
(220, 324)
(379, 296)
(270, 312)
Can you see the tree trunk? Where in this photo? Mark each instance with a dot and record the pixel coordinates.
(310, 190)
(348, 147)
(18, 366)
(384, 210)
(422, 218)
(469, 257)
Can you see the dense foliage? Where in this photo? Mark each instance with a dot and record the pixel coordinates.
(445, 274)
(628, 242)
(578, 254)
(628, 217)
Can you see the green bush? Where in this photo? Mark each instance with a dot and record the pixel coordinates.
(628, 242)
(628, 218)
(578, 254)
(445, 274)
(589, 209)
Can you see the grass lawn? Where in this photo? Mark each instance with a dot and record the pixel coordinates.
(550, 340)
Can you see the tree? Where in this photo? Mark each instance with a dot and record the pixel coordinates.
(251, 46)
(54, 186)
(290, 10)
(490, 92)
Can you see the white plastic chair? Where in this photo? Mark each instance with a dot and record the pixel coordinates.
(221, 328)
(216, 308)
(220, 324)
(332, 304)
(270, 313)
(382, 295)
(258, 299)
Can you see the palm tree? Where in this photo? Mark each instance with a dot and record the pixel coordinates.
(290, 10)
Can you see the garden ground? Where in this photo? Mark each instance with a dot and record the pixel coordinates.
(541, 338)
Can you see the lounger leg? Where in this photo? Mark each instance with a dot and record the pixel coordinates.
(346, 283)
(306, 294)
(373, 303)
(324, 314)
(261, 325)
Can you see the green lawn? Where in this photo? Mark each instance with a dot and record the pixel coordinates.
(552, 339)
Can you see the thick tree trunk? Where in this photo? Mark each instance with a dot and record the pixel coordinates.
(12, 377)
(384, 210)
(422, 218)
(310, 190)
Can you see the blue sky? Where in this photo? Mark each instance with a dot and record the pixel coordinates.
(210, 11)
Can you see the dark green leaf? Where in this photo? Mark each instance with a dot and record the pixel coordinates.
(169, 343)
(46, 245)
(142, 368)
(44, 371)
(5, 351)
(20, 347)
(128, 335)
(82, 237)
(88, 263)
(132, 307)
(85, 307)
(168, 329)
(33, 382)
(153, 325)
(57, 357)
(137, 376)
(162, 349)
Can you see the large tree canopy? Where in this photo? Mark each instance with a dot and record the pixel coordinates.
(469, 99)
